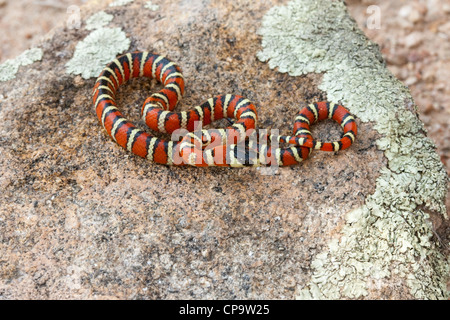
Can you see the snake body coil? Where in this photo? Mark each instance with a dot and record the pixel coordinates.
(217, 147)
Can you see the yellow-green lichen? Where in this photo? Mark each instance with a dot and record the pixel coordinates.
(98, 20)
(119, 3)
(99, 48)
(151, 6)
(9, 68)
(391, 234)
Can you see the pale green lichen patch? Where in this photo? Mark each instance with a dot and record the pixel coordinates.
(391, 234)
(151, 6)
(9, 68)
(99, 48)
(119, 3)
(98, 20)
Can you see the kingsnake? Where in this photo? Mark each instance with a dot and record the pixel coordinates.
(217, 147)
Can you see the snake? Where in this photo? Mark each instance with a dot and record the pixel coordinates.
(238, 145)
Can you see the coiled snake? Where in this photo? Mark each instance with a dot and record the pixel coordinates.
(233, 146)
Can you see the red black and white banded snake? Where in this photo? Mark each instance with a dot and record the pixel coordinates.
(217, 147)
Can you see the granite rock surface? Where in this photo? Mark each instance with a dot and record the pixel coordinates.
(82, 218)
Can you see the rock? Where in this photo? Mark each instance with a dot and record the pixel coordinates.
(446, 7)
(413, 39)
(414, 12)
(398, 58)
(435, 8)
(445, 29)
(83, 219)
(411, 80)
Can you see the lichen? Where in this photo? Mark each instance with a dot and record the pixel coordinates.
(98, 20)
(119, 3)
(151, 6)
(391, 233)
(9, 68)
(99, 48)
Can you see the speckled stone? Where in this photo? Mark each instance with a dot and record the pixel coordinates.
(82, 218)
